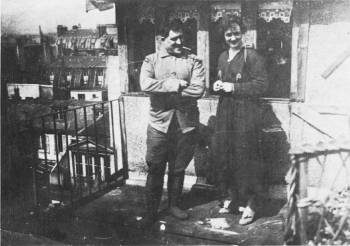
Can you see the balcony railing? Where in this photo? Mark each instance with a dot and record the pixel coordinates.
(81, 152)
(319, 195)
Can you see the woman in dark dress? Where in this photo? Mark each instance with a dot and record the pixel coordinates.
(241, 80)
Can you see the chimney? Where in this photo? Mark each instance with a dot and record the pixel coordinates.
(102, 29)
(61, 30)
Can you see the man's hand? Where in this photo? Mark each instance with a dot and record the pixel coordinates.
(183, 83)
(217, 85)
(227, 87)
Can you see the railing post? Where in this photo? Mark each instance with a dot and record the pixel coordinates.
(35, 187)
(34, 164)
(303, 209)
(123, 137)
(46, 170)
(115, 135)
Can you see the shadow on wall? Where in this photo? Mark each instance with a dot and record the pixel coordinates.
(203, 163)
(273, 145)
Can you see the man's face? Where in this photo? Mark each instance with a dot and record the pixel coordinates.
(233, 37)
(173, 43)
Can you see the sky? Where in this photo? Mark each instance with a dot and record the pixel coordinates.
(25, 16)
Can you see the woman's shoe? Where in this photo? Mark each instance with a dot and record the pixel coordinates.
(224, 207)
(247, 216)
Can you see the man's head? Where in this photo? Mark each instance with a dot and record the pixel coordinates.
(233, 32)
(172, 37)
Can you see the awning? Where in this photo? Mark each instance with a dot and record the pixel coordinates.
(99, 4)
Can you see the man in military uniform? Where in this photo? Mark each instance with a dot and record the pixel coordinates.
(174, 79)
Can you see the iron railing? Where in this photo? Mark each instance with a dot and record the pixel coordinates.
(319, 195)
(81, 152)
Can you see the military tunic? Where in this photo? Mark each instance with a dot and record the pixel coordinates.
(174, 114)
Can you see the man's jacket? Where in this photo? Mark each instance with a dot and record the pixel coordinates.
(159, 76)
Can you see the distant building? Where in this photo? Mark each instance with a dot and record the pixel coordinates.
(23, 91)
(79, 72)
(79, 77)
(75, 150)
(101, 41)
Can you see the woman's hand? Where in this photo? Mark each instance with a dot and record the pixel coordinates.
(217, 85)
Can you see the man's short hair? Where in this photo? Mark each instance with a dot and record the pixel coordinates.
(235, 20)
(175, 25)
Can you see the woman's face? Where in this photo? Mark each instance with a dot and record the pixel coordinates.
(233, 36)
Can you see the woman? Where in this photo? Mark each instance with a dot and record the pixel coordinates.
(241, 80)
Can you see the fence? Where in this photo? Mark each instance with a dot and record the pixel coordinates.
(81, 153)
(319, 195)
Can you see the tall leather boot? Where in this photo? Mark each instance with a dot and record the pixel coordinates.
(153, 194)
(175, 185)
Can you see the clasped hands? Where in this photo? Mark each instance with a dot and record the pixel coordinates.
(224, 86)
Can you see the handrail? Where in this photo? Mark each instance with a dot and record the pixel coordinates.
(80, 107)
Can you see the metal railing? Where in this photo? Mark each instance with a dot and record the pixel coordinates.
(81, 152)
(319, 194)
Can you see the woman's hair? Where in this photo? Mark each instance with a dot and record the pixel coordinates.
(175, 25)
(235, 20)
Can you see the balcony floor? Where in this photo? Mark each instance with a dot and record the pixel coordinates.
(113, 219)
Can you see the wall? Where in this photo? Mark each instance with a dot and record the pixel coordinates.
(46, 91)
(327, 101)
(325, 115)
(114, 91)
(276, 142)
(329, 37)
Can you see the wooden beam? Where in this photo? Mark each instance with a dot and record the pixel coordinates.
(121, 20)
(203, 39)
(313, 119)
(131, 25)
(338, 61)
(249, 9)
(300, 42)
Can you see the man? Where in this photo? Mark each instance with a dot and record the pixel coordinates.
(242, 78)
(174, 80)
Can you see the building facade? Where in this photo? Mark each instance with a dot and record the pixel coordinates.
(300, 101)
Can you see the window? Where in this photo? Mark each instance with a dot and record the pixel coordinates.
(59, 142)
(274, 35)
(78, 163)
(42, 143)
(51, 77)
(274, 43)
(216, 46)
(69, 78)
(99, 77)
(84, 79)
(81, 96)
(190, 34)
(16, 94)
(107, 166)
(79, 157)
(143, 47)
(89, 166)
